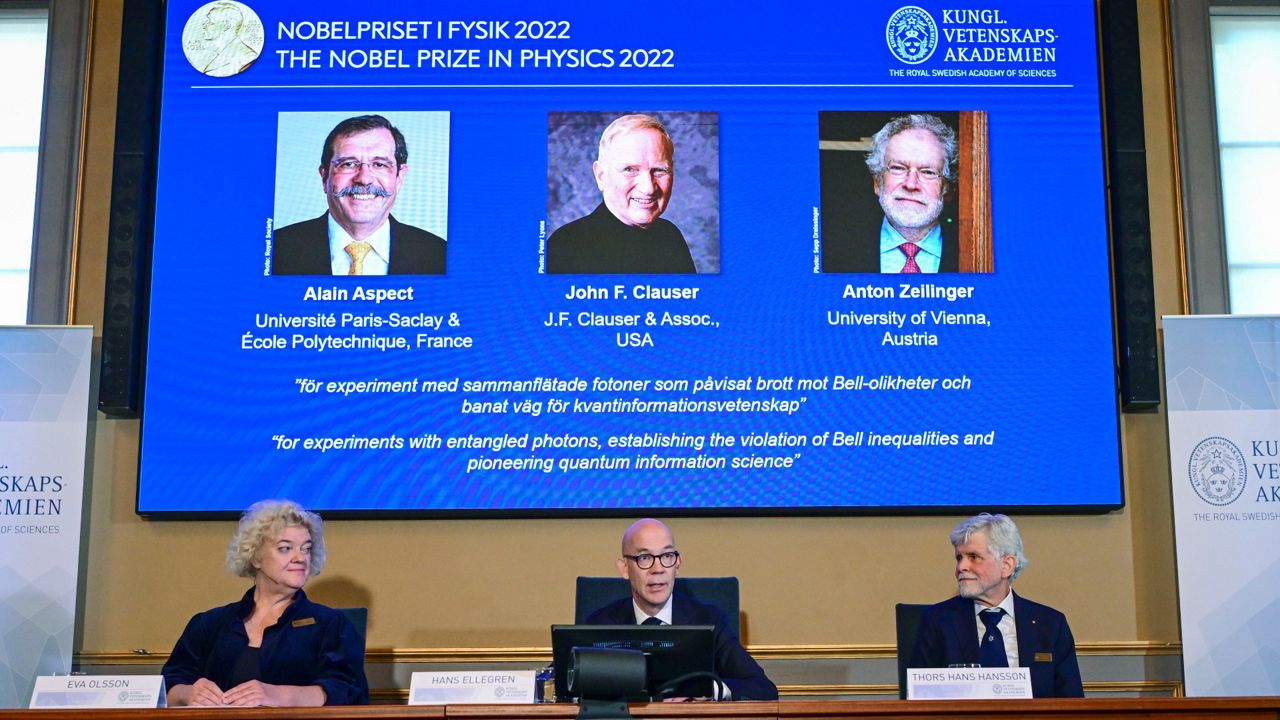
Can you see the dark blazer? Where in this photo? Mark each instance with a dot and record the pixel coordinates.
(309, 645)
(600, 243)
(949, 636)
(738, 670)
(303, 249)
(860, 253)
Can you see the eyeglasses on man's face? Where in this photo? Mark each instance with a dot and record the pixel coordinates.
(925, 174)
(351, 166)
(644, 561)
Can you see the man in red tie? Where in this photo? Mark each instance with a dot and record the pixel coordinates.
(912, 163)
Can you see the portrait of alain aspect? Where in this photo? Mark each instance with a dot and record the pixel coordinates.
(624, 211)
(899, 195)
(364, 166)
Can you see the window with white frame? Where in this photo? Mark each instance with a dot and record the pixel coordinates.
(1246, 78)
(22, 54)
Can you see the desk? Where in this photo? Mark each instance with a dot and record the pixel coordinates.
(1266, 708)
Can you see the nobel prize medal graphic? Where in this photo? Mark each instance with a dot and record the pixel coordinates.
(222, 38)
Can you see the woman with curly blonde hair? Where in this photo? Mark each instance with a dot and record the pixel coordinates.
(273, 647)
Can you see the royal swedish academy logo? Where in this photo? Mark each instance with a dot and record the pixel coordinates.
(912, 34)
(1218, 471)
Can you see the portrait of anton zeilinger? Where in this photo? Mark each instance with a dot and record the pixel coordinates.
(905, 192)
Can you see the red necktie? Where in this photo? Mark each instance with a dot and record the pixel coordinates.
(910, 249)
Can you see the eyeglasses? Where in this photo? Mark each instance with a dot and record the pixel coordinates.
(925, 174)
(351, 167)
(644, 561)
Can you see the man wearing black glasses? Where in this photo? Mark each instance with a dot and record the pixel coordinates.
(650, 563)
(362, 168)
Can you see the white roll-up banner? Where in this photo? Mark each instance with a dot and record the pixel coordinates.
(1223, 381)
(44, 411)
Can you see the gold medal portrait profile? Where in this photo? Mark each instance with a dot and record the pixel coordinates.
(222, 38)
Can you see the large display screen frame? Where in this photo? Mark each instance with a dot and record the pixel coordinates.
(581, 194)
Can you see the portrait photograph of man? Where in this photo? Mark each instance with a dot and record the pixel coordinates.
(346, 202)
(905, 192)
(633, 192)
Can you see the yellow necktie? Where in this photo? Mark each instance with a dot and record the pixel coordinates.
(357, 249)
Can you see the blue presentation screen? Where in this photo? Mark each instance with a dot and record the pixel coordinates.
(472, 258)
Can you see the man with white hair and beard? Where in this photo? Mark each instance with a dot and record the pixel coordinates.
(987, 624)
(913, 164)
(362, 168)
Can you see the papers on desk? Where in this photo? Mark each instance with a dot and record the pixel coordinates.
(968, 683)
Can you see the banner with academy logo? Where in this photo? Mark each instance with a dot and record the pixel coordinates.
(1222, 375)
(44, 410)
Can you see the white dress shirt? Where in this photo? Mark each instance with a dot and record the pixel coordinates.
(375, 263)
(664, 614)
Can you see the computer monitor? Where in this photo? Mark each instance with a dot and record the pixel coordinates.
(670, 650)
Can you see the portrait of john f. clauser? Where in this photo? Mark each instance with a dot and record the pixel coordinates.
(633, 193)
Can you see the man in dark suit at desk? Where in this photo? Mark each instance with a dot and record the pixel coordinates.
(650, 563)
(988, 624)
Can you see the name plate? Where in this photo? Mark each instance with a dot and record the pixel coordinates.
(470, 688)
(968, 683)
(98, 691)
